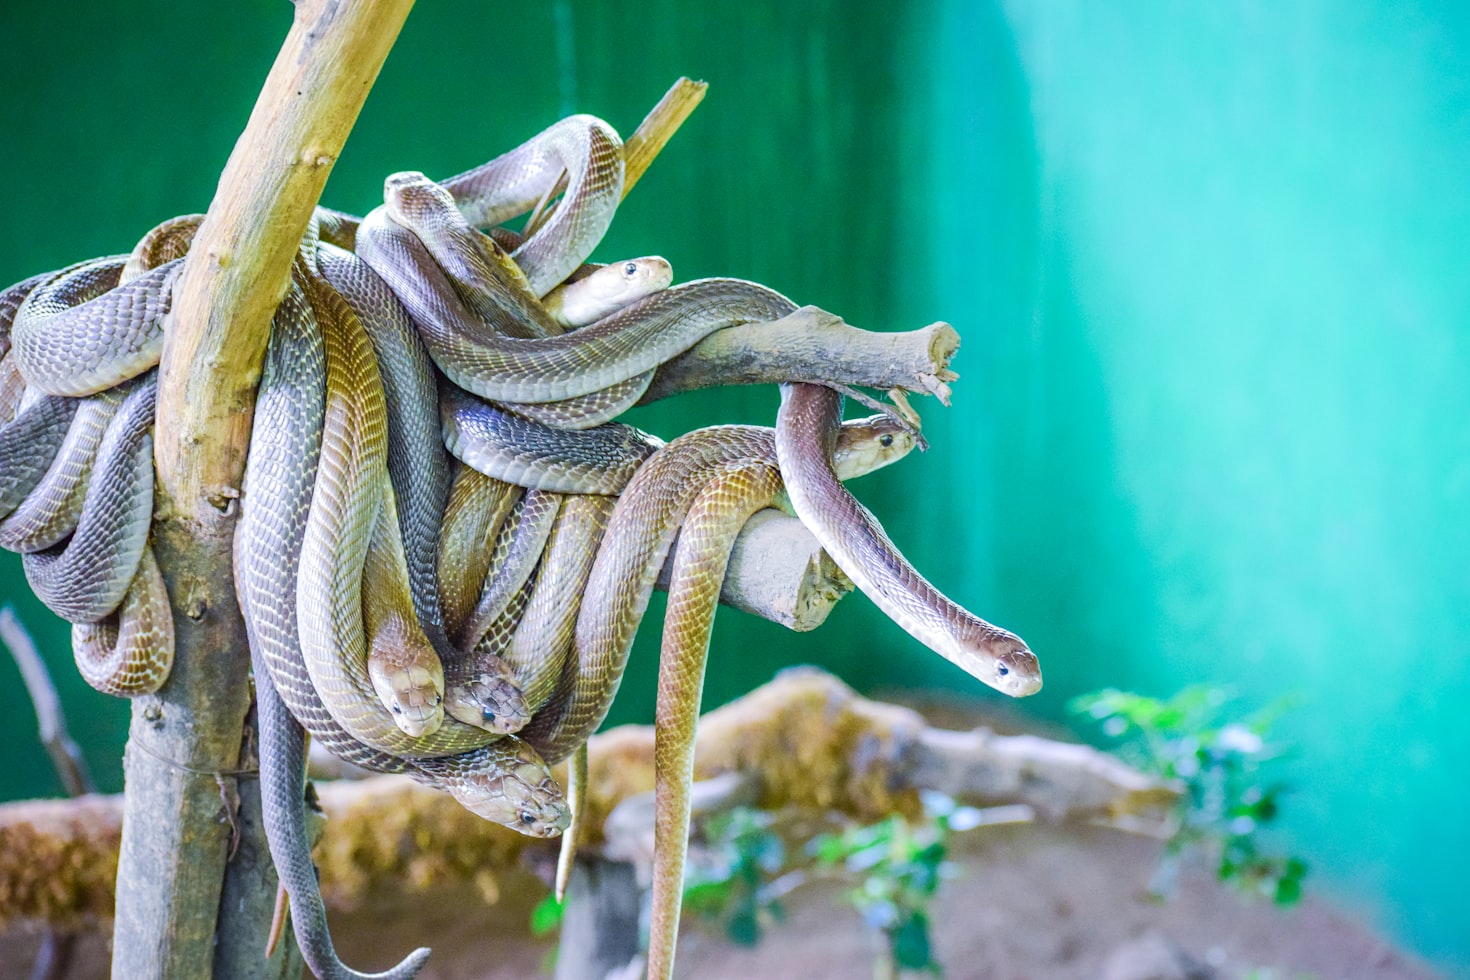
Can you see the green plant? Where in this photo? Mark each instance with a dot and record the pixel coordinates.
(1218, 764)
(733, 882)
(900, 864)
(546, 921)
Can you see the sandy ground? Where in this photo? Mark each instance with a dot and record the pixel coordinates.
(1032, 901)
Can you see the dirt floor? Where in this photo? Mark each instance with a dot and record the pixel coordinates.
(1031, 901)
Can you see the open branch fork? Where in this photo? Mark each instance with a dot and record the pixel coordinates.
(195, 882)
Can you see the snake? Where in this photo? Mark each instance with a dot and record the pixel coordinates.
(29, 442)
(477, 690)
(729, 495)
(624, 345)
(98, 495)
(85, 332)
(84, 579)
(802, 457)
(444, 319)
(604, 290)
(640, 532)
(128, 651)
(589, 152)
(51, 509)
(334, 549)
(280, 475)
(515, 553)
(326, 572)
(335, 559)
(513, 449)
(503, 781)
(739, 462)
(807, 427)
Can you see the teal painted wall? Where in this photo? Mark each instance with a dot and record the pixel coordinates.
(1207, 260)
(1228, 384)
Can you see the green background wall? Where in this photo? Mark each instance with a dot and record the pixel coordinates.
(1208, 261)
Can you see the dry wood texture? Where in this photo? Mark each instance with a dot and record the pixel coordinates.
(805, 740)
(662, 121)
(184, 800)
(813, 345)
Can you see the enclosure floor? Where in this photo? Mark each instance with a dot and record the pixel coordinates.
(1031, 902)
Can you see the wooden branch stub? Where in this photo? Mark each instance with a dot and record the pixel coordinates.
(778, 571)
(237, 269)
(813, 345)
(661, 123)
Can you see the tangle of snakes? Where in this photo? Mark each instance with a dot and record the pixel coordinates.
(446, 543)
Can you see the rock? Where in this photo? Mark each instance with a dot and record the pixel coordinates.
(1154, 956)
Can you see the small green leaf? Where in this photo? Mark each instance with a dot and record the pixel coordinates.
(743, 927)
(546, 916)
(1288, 890)
(910, 940)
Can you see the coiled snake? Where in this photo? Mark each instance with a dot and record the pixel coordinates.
(396, 650)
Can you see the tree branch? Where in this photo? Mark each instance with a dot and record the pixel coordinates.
(237, 268)
(778, 571)
(805, 740)
(65, 754)
(184, 804)
(813, 345)
(658, 127)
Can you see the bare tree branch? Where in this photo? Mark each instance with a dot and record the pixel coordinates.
(185, 806)
(65, 754)
(804, 741)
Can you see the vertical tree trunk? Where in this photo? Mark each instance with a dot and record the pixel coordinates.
(194, 897)
(599, 933)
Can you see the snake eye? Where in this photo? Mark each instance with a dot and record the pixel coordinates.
(487, 714)
(1002, 670)
(397, 709)
(885, 441)
(527, 817)
(631, 269)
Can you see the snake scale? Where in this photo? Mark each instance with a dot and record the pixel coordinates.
(445, 542)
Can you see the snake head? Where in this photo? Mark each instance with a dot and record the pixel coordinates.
(417, 707)
(865, 445)
(409, 684)
(409, 195)
(488, 699)
(518, 793)
(988, 653)
(1017, 672)
(607, 290)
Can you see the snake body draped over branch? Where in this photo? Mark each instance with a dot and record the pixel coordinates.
(445, 543)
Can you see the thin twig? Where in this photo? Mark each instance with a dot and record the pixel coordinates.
(54, 957)
(50, 720)
(658, 127)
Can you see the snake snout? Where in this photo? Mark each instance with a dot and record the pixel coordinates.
(544, 816)
(1018, 673)
(490, 702)
(418, 719)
